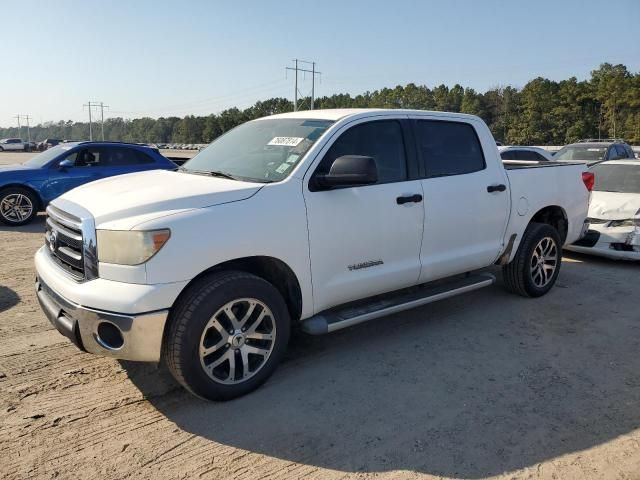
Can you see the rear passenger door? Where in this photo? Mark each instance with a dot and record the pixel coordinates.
(464, 221)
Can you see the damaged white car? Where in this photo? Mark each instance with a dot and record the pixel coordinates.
(614, 212)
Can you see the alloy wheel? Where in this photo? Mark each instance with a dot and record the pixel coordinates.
(16, 207)
(544, 261)
(237, 341)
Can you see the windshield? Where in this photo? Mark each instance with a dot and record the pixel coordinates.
(617, 178)
(581, 152)
(45, 157)
(259, 151)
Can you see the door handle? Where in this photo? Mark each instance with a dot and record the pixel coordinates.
(416, 198)
(496, 188)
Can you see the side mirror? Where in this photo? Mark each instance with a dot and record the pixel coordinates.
(349, 171)
(64, 164)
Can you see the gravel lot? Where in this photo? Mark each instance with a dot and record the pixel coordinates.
(485, 385)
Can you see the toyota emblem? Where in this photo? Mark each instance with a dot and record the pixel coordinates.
(53, 241)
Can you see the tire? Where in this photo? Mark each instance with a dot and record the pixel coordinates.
(528, 276)
(1, 149)
(199, 323)
(18, 206)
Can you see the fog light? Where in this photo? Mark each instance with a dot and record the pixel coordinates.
(109, 336)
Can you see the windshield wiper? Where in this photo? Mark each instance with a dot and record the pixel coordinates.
(208, 173)
(222, 175)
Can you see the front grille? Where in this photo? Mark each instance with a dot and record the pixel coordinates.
(64, 240)
(597, 221)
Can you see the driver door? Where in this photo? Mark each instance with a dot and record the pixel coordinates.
(365, 240)
(88, 165)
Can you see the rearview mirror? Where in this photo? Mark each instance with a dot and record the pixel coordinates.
(349, 171)
(64, 164)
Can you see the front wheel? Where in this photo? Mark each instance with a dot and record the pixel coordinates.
(535, 268)
(227, 334)
(17, 206)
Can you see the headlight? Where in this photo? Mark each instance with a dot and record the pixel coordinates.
(629, 222)
(127, 247)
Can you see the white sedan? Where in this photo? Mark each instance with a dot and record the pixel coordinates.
(529, 154)
(614, 212)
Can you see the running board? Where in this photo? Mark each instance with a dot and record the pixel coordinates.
(382, 305)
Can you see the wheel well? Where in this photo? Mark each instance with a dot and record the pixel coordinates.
(556, 217)
(274, 271)
(36, 195)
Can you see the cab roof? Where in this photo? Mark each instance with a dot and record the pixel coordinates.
(335, 114)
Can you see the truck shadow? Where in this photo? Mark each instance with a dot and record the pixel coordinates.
(461, 388)
(36, 226)
(8, 298)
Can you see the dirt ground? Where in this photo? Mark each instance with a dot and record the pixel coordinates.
(486, 385)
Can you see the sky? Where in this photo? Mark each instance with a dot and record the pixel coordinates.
(160, 58)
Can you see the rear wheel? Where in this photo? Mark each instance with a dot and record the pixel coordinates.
(227, 335)
(17, 206)
(535, 268)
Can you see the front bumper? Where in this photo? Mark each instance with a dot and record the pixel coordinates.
(128, 337)
(618, 243)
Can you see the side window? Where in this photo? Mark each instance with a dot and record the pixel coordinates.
(540, 157)
(614, 153)
(528, 155)
(381, 140)
(449, 148)
(143, 157)
(121, 156)
(509, 155)
(71, 157)
(90, 157)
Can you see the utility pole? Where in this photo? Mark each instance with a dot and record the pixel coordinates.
(27, 117)
(102, 107)
(313, 80)
(90, 127)
(18, 117)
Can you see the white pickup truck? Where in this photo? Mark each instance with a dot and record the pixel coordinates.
(12, 144)
(317, 219)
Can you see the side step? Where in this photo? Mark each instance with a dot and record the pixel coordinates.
(381, 305)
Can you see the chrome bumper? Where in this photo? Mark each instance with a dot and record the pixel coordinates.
(129, 337)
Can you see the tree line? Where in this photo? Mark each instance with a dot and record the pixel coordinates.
(543, 112)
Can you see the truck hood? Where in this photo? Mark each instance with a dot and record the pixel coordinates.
(614, 205)
(124, 201)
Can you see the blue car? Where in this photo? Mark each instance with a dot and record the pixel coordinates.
(26, 189)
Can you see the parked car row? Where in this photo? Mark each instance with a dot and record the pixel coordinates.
(179, 146)
(589, 151)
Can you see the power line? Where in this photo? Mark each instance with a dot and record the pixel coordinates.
(313, 73)
(27, 118)
(202, 104)
(102, 106)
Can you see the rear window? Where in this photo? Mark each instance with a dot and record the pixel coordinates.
(617, 178)
(448, 148)
(581, 152)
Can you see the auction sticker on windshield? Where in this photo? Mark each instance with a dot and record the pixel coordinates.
(286, 141)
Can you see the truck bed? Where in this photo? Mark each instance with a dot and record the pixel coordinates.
(520, 164)
(533, 183)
